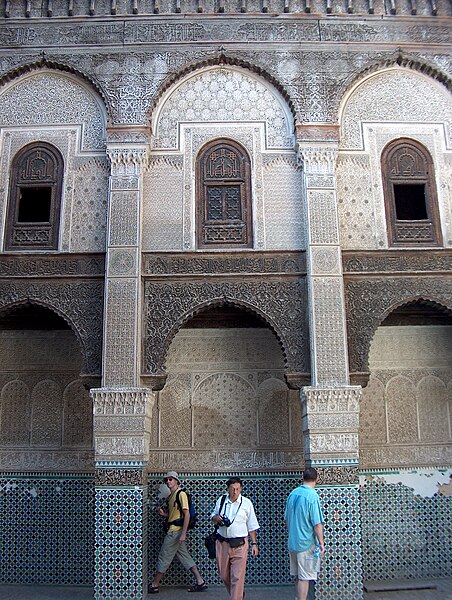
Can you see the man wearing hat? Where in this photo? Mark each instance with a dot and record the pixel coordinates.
(174, 542)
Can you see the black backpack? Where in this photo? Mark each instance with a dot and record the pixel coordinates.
(191, 509)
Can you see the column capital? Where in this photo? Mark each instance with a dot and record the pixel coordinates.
(318, 158)
(330, 420)
(122, 423)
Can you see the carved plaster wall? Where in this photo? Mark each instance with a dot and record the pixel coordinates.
(221, 102)
(45, 411)
(223, 94)
(406, 410)
(414, 106)
(77, 129)
(226, 404)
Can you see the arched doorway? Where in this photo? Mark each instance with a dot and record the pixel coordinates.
(405, 441)
(46, 450)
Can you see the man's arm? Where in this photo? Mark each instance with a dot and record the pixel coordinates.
(254, 546)
(319, 533)
(183, 535)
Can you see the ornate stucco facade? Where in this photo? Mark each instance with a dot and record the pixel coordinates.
(138, 334)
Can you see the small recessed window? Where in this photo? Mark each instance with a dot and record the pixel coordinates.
(410, 202)
(410, 195)
(34, 199)
(34, 205)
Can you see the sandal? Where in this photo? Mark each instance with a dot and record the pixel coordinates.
(199, 587)
(153, 590)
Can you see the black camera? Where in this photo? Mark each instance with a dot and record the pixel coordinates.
(225, 522)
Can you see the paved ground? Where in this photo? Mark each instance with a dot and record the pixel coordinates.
(13, 592)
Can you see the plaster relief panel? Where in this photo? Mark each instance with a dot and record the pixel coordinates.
(405, 412)
(163, 197)
(45, 95)
(284, 205)
(220, 94)
(395, 95)
(45, 411)
(226, 396)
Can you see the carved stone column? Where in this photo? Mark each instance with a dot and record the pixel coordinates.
(330, 406)
(122, 425)
(122, 409)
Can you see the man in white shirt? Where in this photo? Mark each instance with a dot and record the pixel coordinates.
(235, 517)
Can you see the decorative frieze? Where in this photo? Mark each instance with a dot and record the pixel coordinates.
(401, 261)
(121, 401)
(118, 477)
(62, 265)
(46, 460)
(252, 263)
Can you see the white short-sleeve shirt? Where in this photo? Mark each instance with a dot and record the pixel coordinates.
(240, 513)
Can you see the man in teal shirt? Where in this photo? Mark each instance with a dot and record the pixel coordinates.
(306, 544)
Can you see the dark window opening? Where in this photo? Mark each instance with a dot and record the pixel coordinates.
(410, 202)
(34, 205)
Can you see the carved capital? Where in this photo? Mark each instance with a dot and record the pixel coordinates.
(127, 160)
(318, 159)
(122, 422)
(330, 421)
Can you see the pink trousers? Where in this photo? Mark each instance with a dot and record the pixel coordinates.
(232, 567)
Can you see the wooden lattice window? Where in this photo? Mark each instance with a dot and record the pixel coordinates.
(34, 199)
(224, 196)
(410, 195)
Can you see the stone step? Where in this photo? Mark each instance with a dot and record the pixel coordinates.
(398, 585)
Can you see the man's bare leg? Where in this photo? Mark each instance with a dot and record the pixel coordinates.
(301, 589)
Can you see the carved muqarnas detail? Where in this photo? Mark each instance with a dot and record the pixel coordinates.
(282, 304)
(370, 302)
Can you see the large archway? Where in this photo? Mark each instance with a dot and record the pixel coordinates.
(405, 444)
(46, 440)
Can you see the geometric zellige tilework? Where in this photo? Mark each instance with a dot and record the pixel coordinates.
(50, 530)
(120, 552)
(405, 535)
(341, 572)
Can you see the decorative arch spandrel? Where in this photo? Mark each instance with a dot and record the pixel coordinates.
(280, 304)
(369, 302)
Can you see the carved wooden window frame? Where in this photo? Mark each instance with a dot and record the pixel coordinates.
(37, 166)
(415, 232)
(223, 232)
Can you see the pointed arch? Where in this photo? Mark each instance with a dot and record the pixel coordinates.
(220, 61)
(53, 65)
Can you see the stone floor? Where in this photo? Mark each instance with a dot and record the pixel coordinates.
(13, 592)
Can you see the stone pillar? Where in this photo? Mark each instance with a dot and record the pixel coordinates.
(122, 408)
(330, 406)
(122, 425)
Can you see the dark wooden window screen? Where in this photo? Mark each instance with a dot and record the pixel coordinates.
(224, 196)
(35, 199)
(410, 195)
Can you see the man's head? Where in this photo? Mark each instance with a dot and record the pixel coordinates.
(310, 476)
(234, 485)
(172, 480)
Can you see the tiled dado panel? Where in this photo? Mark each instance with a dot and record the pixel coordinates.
(341, 572)
(405, 535)
(120, 556)
(50, 529)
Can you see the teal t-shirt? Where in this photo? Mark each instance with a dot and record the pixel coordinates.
(303, 511)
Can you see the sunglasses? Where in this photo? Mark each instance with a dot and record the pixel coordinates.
(168, 479)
